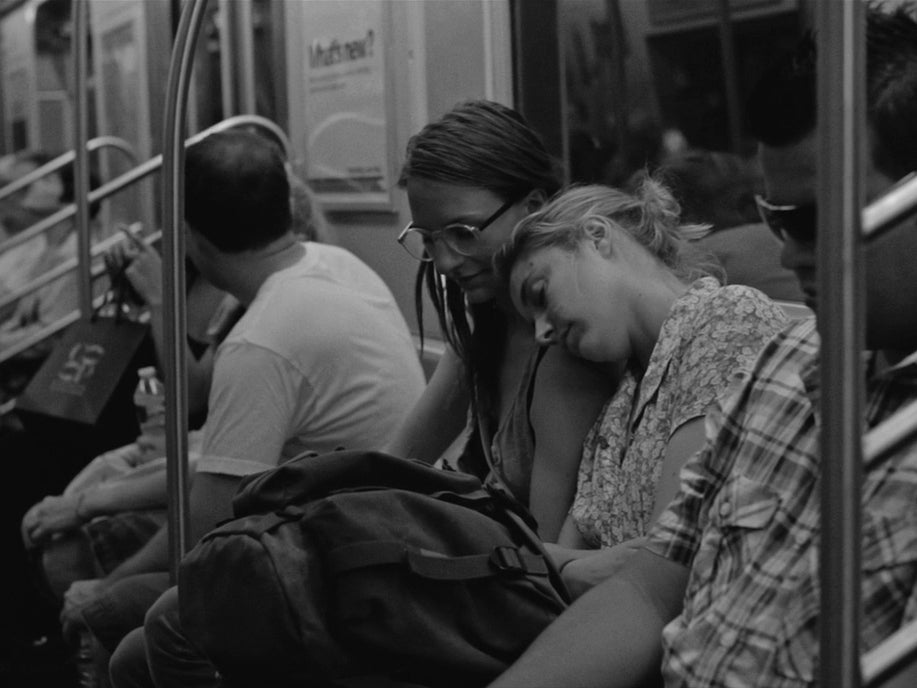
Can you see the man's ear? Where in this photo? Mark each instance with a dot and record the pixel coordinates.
(535, 199)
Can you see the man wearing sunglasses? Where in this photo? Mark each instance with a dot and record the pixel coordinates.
(726, 590)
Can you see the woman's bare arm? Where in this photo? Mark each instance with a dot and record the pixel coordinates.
(569, 395)
(438, 416)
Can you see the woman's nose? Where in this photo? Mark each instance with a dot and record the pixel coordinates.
(544, 331)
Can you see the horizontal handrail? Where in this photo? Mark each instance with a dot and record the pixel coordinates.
(65, 159)
(889, 655)
(52, 328)
(889, 434)
(901, 647)
(892, 207)
(140, 172)
(39, 335)
(69, 265)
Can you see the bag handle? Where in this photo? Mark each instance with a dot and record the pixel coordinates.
(119, 288)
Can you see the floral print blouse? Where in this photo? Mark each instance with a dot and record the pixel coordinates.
(711, 334)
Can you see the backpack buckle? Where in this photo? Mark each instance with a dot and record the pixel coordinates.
(504, 558)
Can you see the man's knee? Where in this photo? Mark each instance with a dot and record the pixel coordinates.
(161, 621)
(173, 659)
(128, 666)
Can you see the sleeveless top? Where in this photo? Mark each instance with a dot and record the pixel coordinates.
(512, 445)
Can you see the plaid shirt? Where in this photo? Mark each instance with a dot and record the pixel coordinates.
(747, 522)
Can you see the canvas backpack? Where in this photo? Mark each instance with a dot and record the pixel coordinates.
(347, 566)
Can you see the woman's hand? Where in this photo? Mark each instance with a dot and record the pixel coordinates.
(582, 570)
(53, 514)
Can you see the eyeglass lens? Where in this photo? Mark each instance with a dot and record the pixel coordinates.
(797, 223)
(458, 237)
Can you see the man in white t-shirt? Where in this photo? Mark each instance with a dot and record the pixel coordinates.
(321, 359)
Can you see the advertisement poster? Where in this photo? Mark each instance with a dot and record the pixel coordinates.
(346, 147)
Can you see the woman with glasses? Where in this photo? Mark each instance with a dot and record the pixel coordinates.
(470, 176)
(612, 278)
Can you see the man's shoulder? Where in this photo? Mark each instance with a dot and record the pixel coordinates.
(787, 362)
(797, 342)
(328, 295)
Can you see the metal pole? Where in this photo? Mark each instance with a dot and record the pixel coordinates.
(81, 161)
(841, 50)
(245, 76)
(731, 78)
(173, 160)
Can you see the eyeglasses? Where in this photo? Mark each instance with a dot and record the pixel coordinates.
(459, 237)
(794, 221)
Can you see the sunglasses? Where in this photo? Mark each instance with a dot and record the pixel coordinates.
(796, 222)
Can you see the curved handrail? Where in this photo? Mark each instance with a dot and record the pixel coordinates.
(173, 273)
(140, 172)
(251, 120)
(66, 158)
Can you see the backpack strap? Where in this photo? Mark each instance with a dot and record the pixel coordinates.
(500, 561)
(499, 488)
(537, 544)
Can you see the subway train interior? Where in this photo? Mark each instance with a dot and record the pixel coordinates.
(101, 100)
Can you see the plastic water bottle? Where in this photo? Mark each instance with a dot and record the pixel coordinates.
(150, 401)
(87, 675)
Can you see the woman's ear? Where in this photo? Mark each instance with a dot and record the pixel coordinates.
(601, 235)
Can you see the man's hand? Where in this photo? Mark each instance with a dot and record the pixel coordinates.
(143, 266)
(152, 441)
(53, 514)
(78, 596)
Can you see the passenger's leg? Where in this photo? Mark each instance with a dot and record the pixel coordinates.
(173, 658)
(68, 558)
(128, 667)
(122, 607)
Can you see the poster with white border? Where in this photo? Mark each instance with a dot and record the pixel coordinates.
(347, 141)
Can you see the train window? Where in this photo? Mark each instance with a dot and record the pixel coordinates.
(643, 79)
(688, 69)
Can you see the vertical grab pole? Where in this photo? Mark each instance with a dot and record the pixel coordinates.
(727, 48)
(173, 268)
(81, 157)
(841, 80)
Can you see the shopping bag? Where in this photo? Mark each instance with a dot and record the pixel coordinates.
(82, 376)
(84, 390)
